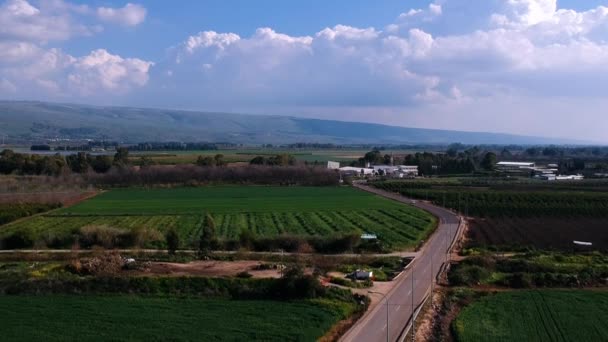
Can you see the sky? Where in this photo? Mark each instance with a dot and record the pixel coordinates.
(532, 67)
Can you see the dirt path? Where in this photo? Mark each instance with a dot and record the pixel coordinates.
(209, 269)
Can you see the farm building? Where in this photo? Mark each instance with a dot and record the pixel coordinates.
(399, 171)
(332, 165)
(514, 166)
(409, 170)
(385, 169)
(351, 170)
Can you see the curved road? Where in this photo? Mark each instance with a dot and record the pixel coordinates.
(374, 325)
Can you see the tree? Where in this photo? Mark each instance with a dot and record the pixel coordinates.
(282, 160)
(145, 161)
(259, 160)
(374, 157)
(219, 160)
(101, 164)
(208, 240)
(207, 161)
(78, 162)
(489, 161)
(246, 238)
(172, 238)
(121, 157)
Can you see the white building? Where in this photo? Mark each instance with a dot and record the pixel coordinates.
(507, 166)
(356, 170)
(385, 169)
(332, 165)
(410, 170)
(570, 177)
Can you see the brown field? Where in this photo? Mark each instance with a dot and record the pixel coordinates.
(540, 232)
(211, 268)
(66, 198)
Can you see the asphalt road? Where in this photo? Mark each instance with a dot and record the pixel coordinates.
(378, 325)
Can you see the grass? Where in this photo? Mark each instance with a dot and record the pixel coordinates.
(550, 315)
(265, 211)
(228, 199)
(130, 318)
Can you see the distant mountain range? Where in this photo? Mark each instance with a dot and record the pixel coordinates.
(36, 121)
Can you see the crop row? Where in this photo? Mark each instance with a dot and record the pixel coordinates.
(401, 227)
(492, 203)
(547, 315)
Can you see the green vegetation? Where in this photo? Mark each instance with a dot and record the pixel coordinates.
(254, 212)
(535, 316)
(121, 318)
(227, 199)
(12, 212)
(532, 270)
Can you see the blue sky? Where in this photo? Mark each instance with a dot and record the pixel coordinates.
(533, 67)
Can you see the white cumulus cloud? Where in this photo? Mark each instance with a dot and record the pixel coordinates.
(129, 15)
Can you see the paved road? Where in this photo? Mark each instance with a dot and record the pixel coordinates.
(373, 326)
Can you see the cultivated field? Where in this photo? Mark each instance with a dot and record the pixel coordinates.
(517, 214)
(546, 315)
(122, 318)
(539, 232)
(264, 211)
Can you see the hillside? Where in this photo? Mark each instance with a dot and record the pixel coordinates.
(36, 121)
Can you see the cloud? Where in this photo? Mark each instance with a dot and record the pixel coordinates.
(101, 69)
(51, 73)
(29, 67)
(502, 50)
(19, 20)
(129, 15)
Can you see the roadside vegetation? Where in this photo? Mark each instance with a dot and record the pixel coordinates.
(536, 269)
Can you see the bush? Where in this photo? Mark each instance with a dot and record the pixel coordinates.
(17, 240)
(520, 280)
(467, 275)
(104, 236)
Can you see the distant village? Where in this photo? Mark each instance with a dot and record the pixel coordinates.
(548, 172)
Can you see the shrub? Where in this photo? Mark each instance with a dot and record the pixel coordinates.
(104, 236)
(172, 238)
(17, 240)
(467, 275)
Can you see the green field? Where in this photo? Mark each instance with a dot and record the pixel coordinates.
(549, 315)
(265, 211)
(132, 318)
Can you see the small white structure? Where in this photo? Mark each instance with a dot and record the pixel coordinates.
(369, 237)
(570, 177)
(332, 165)
(363, 275)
